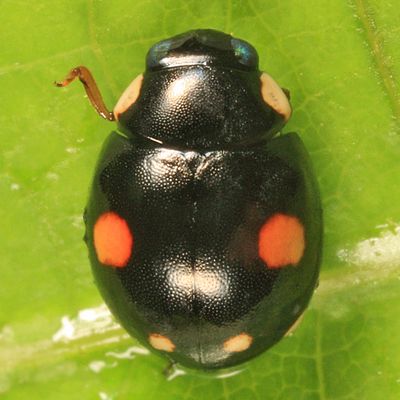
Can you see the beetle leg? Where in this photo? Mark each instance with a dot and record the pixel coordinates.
(172, 370)
(91, 89)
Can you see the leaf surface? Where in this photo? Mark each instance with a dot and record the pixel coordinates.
(339, 61)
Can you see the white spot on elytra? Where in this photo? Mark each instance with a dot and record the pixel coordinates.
(15, 186)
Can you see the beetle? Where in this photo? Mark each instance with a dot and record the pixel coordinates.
(204, 222)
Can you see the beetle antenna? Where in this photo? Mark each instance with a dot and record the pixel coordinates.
(92, 91)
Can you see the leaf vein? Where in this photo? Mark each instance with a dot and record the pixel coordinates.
(319, 360)
(95, 46)
(380, 59)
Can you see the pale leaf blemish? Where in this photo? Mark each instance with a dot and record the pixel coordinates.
(88, 322)
(175, 373)
(76, 221)
(72, 150)
(5, 384)
(96, 366)
(375, 44)
(105, 396)
(129, 354)
(66, 332)
(229, 374)
(369, 262)
(52, 176)
(103, 342)
(382, 252)
(7, 334)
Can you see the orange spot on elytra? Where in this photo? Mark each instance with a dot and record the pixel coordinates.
(113, 240)
(238, 343)
(161, 342)
(281, 241)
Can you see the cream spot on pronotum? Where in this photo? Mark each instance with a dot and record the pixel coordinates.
(161, 342)
(238, 343)
(129, 96)
(274, 96)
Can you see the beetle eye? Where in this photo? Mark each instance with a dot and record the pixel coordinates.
(244, 52)
(161, 49)
(157, 52)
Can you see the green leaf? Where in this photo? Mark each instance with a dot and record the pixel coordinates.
(339, 60)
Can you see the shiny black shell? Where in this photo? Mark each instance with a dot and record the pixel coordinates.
(195, 180)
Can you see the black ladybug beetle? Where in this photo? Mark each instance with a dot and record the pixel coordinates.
(203, 225)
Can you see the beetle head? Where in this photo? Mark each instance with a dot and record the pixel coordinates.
(202, 47)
